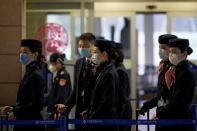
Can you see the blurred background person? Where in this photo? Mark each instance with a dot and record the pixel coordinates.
(61, 88)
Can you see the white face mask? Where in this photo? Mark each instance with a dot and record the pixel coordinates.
(163, 54)
(174, 59)
(52, 68)
(95, 59)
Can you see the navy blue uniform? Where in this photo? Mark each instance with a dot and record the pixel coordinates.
(82, 89)
(180, 98)
(60, 91)
(104, 99)
(30, 97)
(124, 107)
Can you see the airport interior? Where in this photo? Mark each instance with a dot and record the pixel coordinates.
(58, 24)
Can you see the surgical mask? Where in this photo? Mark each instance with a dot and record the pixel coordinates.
(52, 68)
(163, 54)
(24, 58)
(84, 52)
(95, 59)
(174, 59)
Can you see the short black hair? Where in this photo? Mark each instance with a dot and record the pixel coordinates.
(57, 56)
(88, 37)
(118, 54)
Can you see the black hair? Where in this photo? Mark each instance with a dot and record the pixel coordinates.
(118, 54)
(88, 37)
(189, 50)
(106, 45)
(57, 57)
(39, 57)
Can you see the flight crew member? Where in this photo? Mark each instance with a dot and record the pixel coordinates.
(104, 99)
(61, 88)
(180, 83)
(30, 96)
(124, 110)
(162, 95)
(82, 88)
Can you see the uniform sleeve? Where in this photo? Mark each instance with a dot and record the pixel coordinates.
(123, 85)
(150, 104)
(37, 88)
(64, 88)
(184, 90)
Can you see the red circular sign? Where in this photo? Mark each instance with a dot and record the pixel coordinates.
(54, 38)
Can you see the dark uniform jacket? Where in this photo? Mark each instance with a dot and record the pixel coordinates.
(104, 98)
(60, 91)
(124, 106)
(82, 88)
(162, 89)
(180, 97)
(30, 97)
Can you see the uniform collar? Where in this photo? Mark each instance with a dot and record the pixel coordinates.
(62, 69)
(104, 65)
(32, 65)
(182, 65)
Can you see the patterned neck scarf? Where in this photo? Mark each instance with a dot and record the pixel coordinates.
(170, 76)
(161, 66)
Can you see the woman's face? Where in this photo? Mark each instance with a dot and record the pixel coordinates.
(176, 56)
(176, 50)
(102, 55)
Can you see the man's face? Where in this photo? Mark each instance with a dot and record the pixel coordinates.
(84, 44)
(27, 51)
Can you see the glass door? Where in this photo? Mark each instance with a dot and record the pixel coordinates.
(184, 25)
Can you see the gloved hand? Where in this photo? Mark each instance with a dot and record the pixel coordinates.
(141, 111)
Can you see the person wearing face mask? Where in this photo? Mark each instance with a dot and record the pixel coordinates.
(30, 96)
(180, 84)
(80, 95)
(162, 96)
(61, 88)
(104, 98)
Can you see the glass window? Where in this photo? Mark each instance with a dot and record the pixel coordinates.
(116, 29)
(186, 27)
(58, 37)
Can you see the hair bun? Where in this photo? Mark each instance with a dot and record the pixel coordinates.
(62, 56)
(189, 50)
